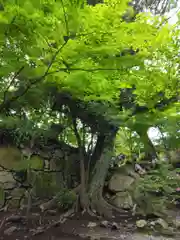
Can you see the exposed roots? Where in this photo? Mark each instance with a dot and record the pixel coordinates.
(67, 214)
(48, 205)
(96, 206)
(53, 202)
(102, 207)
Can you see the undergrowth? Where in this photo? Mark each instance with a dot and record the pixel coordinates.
(156, 191)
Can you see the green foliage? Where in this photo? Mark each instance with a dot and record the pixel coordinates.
(79, 49)
(163, 180)
(66, 199)
(52, 46)
(37, 33)
(127, 143)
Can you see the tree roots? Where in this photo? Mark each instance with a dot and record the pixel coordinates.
(97, 206)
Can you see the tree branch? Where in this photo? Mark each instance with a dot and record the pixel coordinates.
(12, 81)
(19, 94)
(88, 70)
(97, 122)
(65, 19)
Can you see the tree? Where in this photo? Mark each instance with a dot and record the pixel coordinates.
(90, 65)
(156, 7)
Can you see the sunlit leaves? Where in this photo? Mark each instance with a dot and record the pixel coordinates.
(99, 55)
(127, 142)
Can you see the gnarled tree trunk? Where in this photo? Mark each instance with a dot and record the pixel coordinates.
(97, 201)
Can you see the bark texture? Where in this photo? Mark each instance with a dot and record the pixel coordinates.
(100, 172)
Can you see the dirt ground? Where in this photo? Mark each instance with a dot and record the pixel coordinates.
(16, 226)
(40, 226)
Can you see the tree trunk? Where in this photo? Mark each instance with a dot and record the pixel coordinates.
(149, 149)
(97, 152)
(84, 201)
(97, 201)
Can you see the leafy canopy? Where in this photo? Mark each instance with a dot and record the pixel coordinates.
(86, 39)
(89, 51)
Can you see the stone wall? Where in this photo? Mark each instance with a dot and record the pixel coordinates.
(45, 172)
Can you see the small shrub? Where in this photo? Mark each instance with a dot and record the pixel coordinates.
(66, 199)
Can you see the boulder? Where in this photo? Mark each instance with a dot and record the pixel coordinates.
(128, 170)
(10, 158)
(17, 193)
(120, 182)
(10, 230)
(13, 203)
(36, 162)
(161, 226)
(16, 199)
(6, 180)
(141, 223)
(162, 223)
(123, 200)
(92, 224)
(168, 232)
(176, 223)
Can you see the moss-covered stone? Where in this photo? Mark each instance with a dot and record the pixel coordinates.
(123, 200)
(17, 193)
(6, 180)
(14, 203)
(36, 162)
(45, 185)
(11, 158)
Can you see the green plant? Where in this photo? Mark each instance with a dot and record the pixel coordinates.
(155, 191)
(88, 62)
(127, 142)
(66, 199)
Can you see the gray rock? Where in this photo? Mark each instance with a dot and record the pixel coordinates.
(115, 226)
(162, 223)
(176, 222)
(6, 180)
(92, 224)
(168, 232)
(17, 192)
(123, 200)
(10, 230)
(52, 212)
(104, 224)
(120, 183)
(141, 223)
